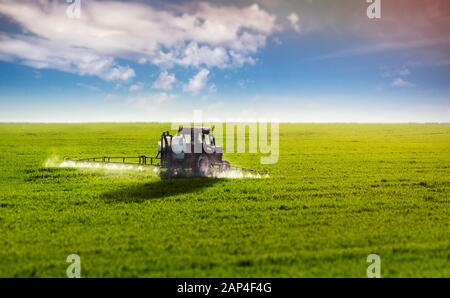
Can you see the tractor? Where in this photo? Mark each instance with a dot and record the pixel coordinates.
(192, 152)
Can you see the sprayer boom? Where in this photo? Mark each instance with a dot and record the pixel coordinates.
(123, 160)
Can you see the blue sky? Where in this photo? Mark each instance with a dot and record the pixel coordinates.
(298, 61)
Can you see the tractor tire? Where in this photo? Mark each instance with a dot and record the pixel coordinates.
(204, 167)
(225, 166)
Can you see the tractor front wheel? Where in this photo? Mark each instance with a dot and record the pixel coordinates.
(225, 166)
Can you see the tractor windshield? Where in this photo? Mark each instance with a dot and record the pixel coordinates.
(209, 140)
(187, 138)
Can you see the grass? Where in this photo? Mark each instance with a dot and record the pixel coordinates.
(337, 194)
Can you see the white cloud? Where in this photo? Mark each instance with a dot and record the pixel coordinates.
(40, 53)
(294, 20)
(240, 59)
(136, 87)
(119, 73)
(198, 83)
(194, 55)
(399, 82)
(165, 81)
(194, 35)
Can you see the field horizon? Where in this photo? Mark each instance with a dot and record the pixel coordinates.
(206, 122)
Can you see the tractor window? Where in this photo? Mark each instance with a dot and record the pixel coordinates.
(207, 139)
(177, 140)
(187, 138)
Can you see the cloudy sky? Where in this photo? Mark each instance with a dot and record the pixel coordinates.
(291, 60)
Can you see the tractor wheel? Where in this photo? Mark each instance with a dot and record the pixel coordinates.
(225, 166)
(165, 174)
(204, 168)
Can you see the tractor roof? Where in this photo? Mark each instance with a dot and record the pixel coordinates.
(196, 129)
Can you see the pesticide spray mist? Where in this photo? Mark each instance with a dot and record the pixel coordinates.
(238, 174)
(96, 165)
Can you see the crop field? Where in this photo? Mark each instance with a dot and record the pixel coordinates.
(338, 193)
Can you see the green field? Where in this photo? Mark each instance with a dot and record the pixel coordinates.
(338, 193)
